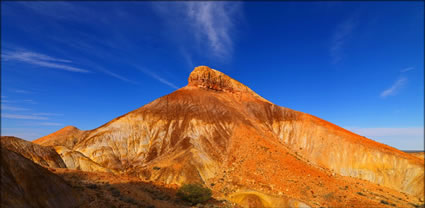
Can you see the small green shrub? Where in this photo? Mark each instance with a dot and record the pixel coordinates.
(194, 193)
(329, 195)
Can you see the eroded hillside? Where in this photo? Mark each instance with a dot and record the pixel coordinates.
(218, 132)
(26, 184)
(42, 155)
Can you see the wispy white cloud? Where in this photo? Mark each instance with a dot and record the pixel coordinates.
(108, 72)
(394, 88)
(341, 35)
(213, 21)
(29, 101)
(49, 124)
(115, 75)
(47, 114)
(12, 108)
(41, 60)
(210, 23)
(23, 133)
(29, 117)
(407, 69)
(157, 77)
(22, 91)
(60, 10)
(40, 123)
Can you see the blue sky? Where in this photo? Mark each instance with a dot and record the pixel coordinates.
(359, 65)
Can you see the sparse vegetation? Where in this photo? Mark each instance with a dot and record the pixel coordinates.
(361, 194)
(92, 186)
(329, 195)
(417, 205)
(115, 192)
(128, 200)
(387, 203)
(194, 193)
(384, 202)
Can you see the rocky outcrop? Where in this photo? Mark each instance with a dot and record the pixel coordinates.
(207, 78)
(76, 160)
(219, 132)
(26, 184)
(44, 156)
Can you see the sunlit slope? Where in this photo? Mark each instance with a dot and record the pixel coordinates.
(44, 156)
(219, 132)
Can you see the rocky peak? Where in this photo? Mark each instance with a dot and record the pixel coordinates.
(205, 77)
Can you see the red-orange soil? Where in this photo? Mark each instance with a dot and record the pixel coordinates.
(218, 132)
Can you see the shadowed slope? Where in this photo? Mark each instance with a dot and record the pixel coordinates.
(26, 184)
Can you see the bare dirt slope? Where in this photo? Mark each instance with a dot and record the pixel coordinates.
(219, 132)
(67, 137)
(419, 154)
(111, 190)
(26, 184)
(42, 155)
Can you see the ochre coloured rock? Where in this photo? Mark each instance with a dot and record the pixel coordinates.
(26, 184)
(76, 160)
(45, 156)
(330, 146)
(254, 199)
(68, 137)
(420, 155)
(207, 78)
(218, 131)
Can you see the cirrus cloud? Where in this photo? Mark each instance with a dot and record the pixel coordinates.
(210, 23)
(395, 87)
(341, 36)
(39, 59)
(17, 116)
